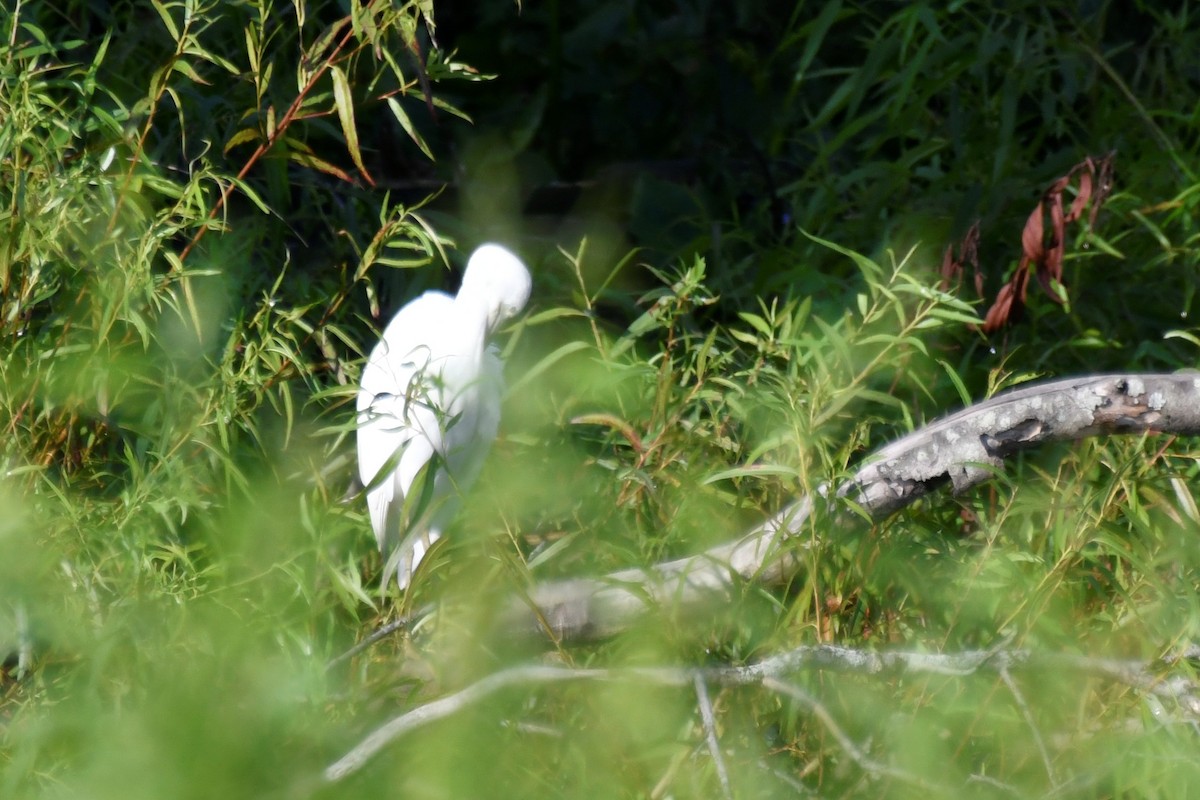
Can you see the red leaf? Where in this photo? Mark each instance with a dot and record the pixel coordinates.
(1095, 184)
(1020, 282)
(968, 253)
(951, 269)
(1031, 237)
(1051, 263)
(1085, 194)
(997, 315)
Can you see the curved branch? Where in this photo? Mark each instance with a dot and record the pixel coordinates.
(958, 451)
(1145, 677)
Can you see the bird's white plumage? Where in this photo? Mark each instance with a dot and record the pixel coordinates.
(432, 385)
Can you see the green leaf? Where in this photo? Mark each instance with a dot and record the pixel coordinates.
(406, 123)
(185, 68)
(309, 160)
(758, 323)
(1186, 336)
(551, 314)
(166, 19)
(544, 364)
(815, 36)
(244, 136)
(344, 103)
(868, 267)
(751, 471)
(950, 315)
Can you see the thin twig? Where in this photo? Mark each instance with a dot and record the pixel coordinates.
(399, 624)
(1138, 675)
(1026, 712)
(989, 781)
(274, 136)
(445, 707)
(859, 757)
(710, 734)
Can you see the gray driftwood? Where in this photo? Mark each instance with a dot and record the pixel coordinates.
(956, 452)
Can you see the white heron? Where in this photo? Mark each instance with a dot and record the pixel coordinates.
(432, 387)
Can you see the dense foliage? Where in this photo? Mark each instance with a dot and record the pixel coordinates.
(737, 220)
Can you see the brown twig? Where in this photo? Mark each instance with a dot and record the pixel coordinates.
(265, 146)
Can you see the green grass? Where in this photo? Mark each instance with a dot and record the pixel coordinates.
(207, 213)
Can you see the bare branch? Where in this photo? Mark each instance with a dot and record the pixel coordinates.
(1141, 676)
(445, 707)
(1027, 713)
(382, 632)
(958, 452)
(710, 734)
(856, 753)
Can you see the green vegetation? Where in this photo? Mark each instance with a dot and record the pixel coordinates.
(208, 210)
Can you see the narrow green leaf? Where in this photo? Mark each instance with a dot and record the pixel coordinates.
(868, 267)
(1186, 336)
(950, 315)
(959, 386)
(816, 32)
(547, 361)
(185, 68)
(244, 136)
(755, 321)
(550, 314)
(166, 19)
(406, 123)
(752, 471)
(252, 49)
(309, 160)
(344, 103)
(253, 196)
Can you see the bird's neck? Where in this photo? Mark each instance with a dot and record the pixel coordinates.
(471, 326)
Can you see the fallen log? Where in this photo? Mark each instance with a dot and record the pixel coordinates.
(955, 452)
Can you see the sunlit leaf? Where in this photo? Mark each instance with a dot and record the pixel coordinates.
(344, 103)
(406, 123)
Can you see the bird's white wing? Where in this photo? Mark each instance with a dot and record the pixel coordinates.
(398, 427)
(467, 458)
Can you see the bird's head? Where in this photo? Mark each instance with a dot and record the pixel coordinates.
(497, 280)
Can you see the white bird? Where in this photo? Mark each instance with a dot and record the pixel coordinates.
(433, 386)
